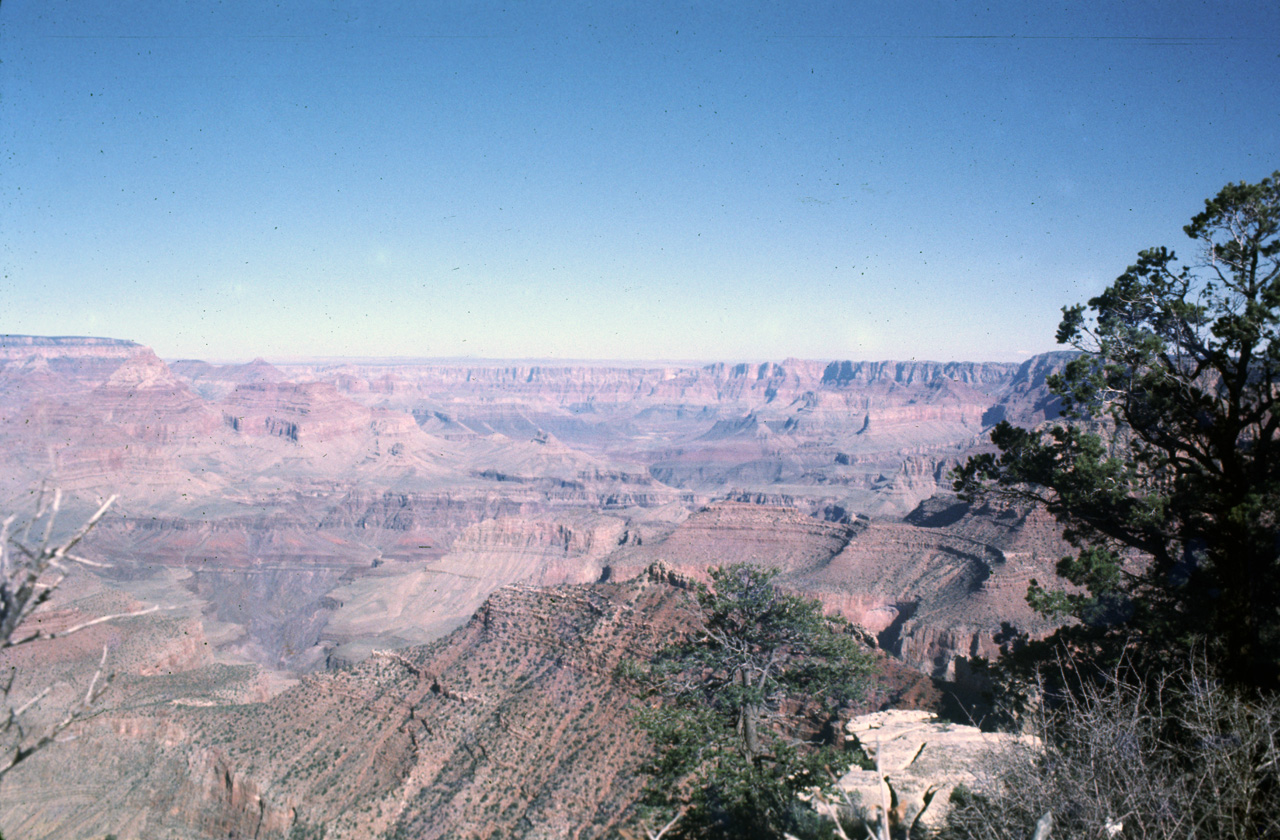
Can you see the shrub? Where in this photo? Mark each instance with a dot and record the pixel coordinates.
(1179, 756)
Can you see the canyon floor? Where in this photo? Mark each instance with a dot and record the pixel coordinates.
(394, 592)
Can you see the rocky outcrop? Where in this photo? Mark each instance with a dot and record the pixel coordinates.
(941, 592)
(948, 585)
(127, 424)
(219, 800)
(724, 533)
(36, 366)
(407, 603)
(513, 725)
(295, 412)
(923, 760)
(1026, 400)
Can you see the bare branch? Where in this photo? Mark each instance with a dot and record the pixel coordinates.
(28, 578)
(27, 705)
(670, 825)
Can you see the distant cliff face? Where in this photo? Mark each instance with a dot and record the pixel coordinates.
(1026, 400)
(839, 429)
(308, 411)
(602, 384)
(32, 365)
(15, 346)
(315, 479)
(987, 374)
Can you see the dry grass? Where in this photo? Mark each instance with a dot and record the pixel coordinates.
(1176, 757)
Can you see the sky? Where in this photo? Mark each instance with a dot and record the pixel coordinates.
(642, 181)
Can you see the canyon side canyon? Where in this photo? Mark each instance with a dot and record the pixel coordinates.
(394, 592)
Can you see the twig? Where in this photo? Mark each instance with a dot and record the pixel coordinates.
(670, 825)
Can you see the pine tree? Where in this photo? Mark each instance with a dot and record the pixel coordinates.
(1165, 471)
(731, 754)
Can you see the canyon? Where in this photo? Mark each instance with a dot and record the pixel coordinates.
(393, 588)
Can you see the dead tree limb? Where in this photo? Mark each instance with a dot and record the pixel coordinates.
(29, 575)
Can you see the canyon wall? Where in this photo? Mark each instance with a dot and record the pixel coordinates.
(293, 495)
(323, 520)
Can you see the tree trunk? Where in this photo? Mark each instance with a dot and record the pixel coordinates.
(750, 735)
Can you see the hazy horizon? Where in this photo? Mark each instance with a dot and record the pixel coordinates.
(563, 183)
(497, 360)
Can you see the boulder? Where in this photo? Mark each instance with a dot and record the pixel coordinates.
(922, 758)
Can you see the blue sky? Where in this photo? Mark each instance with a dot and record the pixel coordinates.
(618, 181)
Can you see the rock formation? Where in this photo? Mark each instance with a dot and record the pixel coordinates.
(306, 480)
(299, 518)
(923, 759)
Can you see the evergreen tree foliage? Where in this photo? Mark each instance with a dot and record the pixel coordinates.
(1165, 470)
(733, 749)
